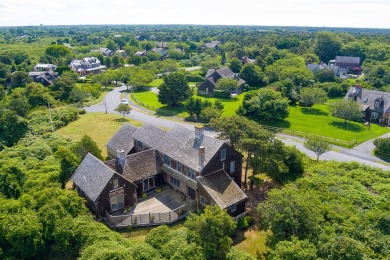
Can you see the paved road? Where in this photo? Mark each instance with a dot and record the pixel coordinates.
(112, 100)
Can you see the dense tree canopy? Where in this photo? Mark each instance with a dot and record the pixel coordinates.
(174, 89)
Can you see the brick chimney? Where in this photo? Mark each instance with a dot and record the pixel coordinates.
(199, 132)
(202, 156)
(121, 160)
(359, 90)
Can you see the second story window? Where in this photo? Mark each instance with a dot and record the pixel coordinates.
(232, 166)
(140, 145)
(179, 167)
(223, 154)
(115, 183)
(191, 173)
(376, 104)
(167, 160)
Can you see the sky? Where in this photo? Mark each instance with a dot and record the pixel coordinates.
(327, 13)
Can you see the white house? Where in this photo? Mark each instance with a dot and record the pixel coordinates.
(88, 65)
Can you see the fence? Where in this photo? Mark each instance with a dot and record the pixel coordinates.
(147, 219)
(143, 104)
(307, 135)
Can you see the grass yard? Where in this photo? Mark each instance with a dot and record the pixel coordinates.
(155, 83)
(149, 100)
(250, 241)
(99, 126)
(319, 121)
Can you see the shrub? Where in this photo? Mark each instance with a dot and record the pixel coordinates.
(242, 224)
(82, 111)
(383, 144)
(221, 94)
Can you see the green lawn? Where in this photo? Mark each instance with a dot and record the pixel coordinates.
(149, 100)
(155, 83)
(319, 120)
(250, 241)
(99, 126)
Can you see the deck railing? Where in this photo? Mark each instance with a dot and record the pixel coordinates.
(147, 219)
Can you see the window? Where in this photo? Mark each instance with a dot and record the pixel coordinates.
(191, 173)
(365, 99)
(232, 208)
(232, 166)
(115, 182)
(223, 154)
(374, 115)
(179, 167)
(175, 181)
(167, 160)
(202, 200)
(117, 202)
(140, 145)
(376, 104)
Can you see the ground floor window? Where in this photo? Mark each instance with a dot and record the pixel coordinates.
(148, 183)
(233, 208)
(175, 181)
(191, 193)
(374, 115)
(117, 202)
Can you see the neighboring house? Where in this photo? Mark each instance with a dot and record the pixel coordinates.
(246, 59)
(44, 67)
(140, 53)
(161, 51)
(202, 169)
(121, 53)
(315, 68)
(212, 77)
(86, 66)
(375, 104)
(106, 52)
(162, 45)
(212, 45)
(44, 77)
(347, 65)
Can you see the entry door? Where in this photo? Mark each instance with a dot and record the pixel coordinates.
(191, 193)
(146, 184)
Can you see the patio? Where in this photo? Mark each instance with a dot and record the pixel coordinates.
(165, 207)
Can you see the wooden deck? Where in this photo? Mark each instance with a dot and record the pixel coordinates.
(165, 207)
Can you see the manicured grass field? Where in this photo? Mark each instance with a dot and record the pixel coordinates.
(156, 83)
(251, 241)
(99, 126)
(149, 100)
(319, 120)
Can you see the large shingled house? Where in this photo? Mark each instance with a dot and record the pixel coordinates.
(201, 169)
(212, 77)
(88, 65)
(375, 104)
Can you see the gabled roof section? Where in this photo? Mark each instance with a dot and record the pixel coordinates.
(347, 59)
(149, 135)
(224, 191)
(138, 166)
(92, 176)
(180, 144)
(123, 138)
(368, 97)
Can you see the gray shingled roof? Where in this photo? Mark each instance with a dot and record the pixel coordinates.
(123, 138)
(92, 176)
(149, 135)
(179, 144)
(138, 166)
(222, 189)
(347, 59)
(368, 97)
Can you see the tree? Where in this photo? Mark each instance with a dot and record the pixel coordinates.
(294, 250)
(311, 96)
(325, 75)
(12, 128)
(174, 89)
(20, 79)
(318, 145)
(346, 109)
(87, 145)
(140, 78)
(327, 45)
(253, 75)
(209, 64)
(226, 84)
(78, 95)
(68, 162)
(383, 144)
(209, 113)
(115, 61)
(112, 45)
(266, 104)
(57, 51)
(235, 65)
(211, 231)
(124, 109)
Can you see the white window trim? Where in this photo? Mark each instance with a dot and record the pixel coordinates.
(233, 208)
(115, 182)
(374, 115)
(232, 169)
(201, 198)
(376, 104)
(223, 152)
(121, 196)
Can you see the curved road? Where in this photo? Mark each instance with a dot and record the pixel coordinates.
(112, 100)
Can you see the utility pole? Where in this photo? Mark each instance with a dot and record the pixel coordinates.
(51, 120)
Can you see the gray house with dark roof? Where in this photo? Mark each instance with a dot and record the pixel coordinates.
(375, 104)
(348, 65)
(202, 169)
(212, 77)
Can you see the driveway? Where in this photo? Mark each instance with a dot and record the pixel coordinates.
(368, 146)
(112, 100)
